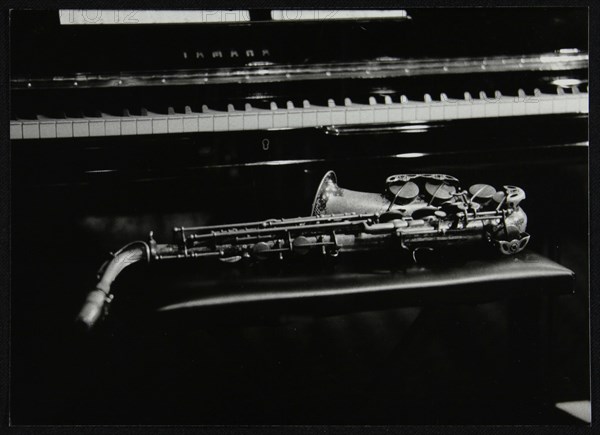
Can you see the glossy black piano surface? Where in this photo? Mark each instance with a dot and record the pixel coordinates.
(119, 130)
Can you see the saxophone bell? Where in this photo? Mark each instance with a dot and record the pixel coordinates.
(332, 199)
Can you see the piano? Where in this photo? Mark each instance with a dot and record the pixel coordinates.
(122, 122)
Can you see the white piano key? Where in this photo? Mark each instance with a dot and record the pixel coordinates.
(572, 103)
(505, 106)
(395, 112)
(16, 130)
(518, 107)
(423, 112)
(478, 108)
(367, 114)
(409, 111)
(159, 124)
(559, 104)
(584, 103)
(450, 107)
(323, 116)
(436, 111)
(47, 129)
(387, 99)
(205, 122)
(492, 108)
(464, 108)
(338, 115)
(82, 128)
(309, 115)
(280, 118)
(128, 126)
(220, 121)
(273, 105)
(236, 120)
(31, 130)
(381, 113)
(450, 110)
(112, 125)
(143, 125)
(175, 124)
(294, 115)
(295, 118)
(97, 127)
(532, 105)
(372, 101)
(265, 119)
(491, 105)
(250, 119)
(352, 113)
(190, 121)
(546, 106)
(330, 103)
(64, 128)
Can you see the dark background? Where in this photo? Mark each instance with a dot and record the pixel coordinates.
(445, 364)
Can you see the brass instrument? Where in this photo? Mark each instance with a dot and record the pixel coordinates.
(415, 211)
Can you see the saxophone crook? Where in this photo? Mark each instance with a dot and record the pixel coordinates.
(97, 300)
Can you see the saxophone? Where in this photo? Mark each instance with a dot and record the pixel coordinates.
(415, 211)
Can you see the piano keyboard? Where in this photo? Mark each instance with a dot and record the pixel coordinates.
(252, 118)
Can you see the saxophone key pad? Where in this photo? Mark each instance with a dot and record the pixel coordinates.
(482, 193)
(439, 191)
(403, 192)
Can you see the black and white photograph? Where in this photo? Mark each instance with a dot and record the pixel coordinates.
(248, 217)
